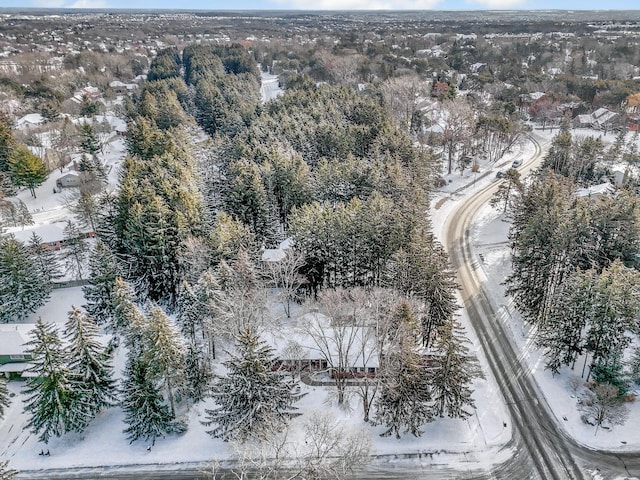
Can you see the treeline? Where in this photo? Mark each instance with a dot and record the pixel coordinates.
(575, 264)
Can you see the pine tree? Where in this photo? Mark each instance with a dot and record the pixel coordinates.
(191, 315)
(7, 473)
(23, 215)
(423, 270)
(4, 397)
(543, 253)
(509, 186)
(197, 372)
(75, 250)
(89, 143)
(100, 291)
(49, 394)
(404, 400)
(613, 315)
(146, 415)
(247, 199)
(46, 259)
(559, 156)
(90, 367)
(452, 374)
(127, 319)
(253, 399)
(164, 353)
(26, 169)
(561, 336)
(23, 286)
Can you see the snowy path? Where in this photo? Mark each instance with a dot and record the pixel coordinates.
(270, 87)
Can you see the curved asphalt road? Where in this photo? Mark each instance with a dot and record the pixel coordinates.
(543, 449)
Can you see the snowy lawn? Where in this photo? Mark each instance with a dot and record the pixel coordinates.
(477, 440)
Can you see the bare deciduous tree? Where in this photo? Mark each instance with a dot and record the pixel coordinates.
(286, 277)
(602, 404)
(337, 336)
(331, 450)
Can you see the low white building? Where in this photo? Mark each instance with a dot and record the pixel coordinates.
(14, 358)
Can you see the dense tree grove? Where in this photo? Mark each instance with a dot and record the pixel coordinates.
(175, 275)
(575, 264)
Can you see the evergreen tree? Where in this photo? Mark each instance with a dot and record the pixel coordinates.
(613, 316)
(7, 142)
(228, 237)
(23, 286)
(23, 215)
(46, 260)
(197, 372)
(90, 367)
(209, 298)
(49, 393)
(164, 353)
(75, 250)
(423, 270)
(4, 397)
(100, 291)
(86, 208)
(561, 336)
(247, 199)
(289, 182)
(7, 473)
(558, 157)
(146, 415)
(404, 399)
(191, 315)
(26, 169)
(89, 143)
(544, 252)
(453, 373)
(127, 319)
(253, 400)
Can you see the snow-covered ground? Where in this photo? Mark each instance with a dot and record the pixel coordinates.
(270, 88)
(477, 441)
(489, 236)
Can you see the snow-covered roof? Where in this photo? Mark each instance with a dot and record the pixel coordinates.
(49, 232)
(359, 341)
(277, 254)
(30, 119)
(273, 255)
(600, 112)
(116, 123)
(601, 189)
(13, 337)
(119, 84)
(286, 244)
(585, 119)
(434, 129)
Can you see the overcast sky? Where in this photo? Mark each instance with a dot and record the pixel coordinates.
(333, 4)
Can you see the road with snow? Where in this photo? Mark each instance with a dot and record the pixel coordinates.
(542, 448)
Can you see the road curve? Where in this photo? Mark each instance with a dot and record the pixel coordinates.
(542, 448)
